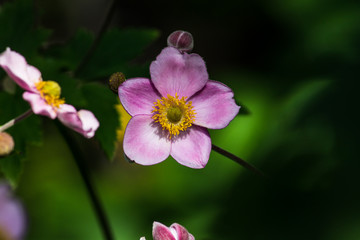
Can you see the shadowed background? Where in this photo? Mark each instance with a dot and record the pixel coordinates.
(294, 65)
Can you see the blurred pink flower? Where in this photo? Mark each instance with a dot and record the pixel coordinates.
(44, 96)
(82, 121)
(174, 232)
(170, 112)
(12, 216)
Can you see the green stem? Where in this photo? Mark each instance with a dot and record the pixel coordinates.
(99, 36)
(80, 162)
(99, 211)
(237, 160)
(12, 122)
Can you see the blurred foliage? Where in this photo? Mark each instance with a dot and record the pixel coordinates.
(18, 29)
(293, 64)
(61, 63)
(27, 132)
(116, 50)
(102, 104)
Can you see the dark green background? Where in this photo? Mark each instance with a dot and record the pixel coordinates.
(293, 64)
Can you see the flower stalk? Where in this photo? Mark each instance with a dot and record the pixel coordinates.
(98, 38)
(98, 208)
(12, 122)
(96, 203)
(237, 160)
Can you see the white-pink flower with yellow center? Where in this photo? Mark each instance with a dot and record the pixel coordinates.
(174, 232)
(172, 111)
(44, 96)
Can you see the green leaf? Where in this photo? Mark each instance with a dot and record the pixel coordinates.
(71, 54)
(71, 90)
(17, 29)
(52, 69)
(101, 101)
(115, 51)
(28, 131)
(334, 33)
(300, 98)
(12, 167)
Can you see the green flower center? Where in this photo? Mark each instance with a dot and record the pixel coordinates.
(50, 88)
(50, 91)
(174, 114)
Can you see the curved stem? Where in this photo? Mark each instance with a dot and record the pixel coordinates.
(96, 42)
(99, 211)
(15, 120)
(237, 159)
(79, 160)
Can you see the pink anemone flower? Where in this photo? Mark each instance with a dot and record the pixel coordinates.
(44, 96)
(174, 232)
(172, 111)
(12, 216)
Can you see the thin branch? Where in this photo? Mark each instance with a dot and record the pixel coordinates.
(12, 122)
(237, 160)
(99, 211)
(99, 36)
(79, 160)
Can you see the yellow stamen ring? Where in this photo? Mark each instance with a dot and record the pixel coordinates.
(173, 114)
(50, 91)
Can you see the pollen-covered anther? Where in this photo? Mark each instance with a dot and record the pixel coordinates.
(173, 114)
(50, 91)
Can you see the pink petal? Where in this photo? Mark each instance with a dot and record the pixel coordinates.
(173, 72)
(144, 141)
(17, 68)
(162, 232)
(66, 108)
(214, 106)
(181, 232)
(192, 147)
(138, 95)
(12, 216)
(83, 121)
(90, 123)
(39, 105)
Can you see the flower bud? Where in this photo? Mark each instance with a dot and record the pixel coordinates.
(181, 40)
(116, 79)
(6, 144)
